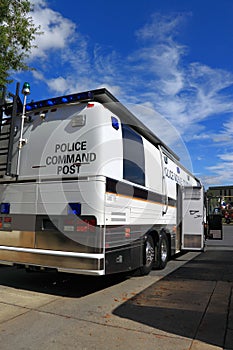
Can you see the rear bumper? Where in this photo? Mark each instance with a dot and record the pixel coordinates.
(80, 263)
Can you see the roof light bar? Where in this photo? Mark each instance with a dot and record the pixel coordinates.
(83, 96)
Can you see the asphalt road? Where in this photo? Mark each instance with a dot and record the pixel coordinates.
(185, 306)
(226, 243)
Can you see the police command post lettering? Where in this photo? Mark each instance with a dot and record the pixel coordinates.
(68, 157)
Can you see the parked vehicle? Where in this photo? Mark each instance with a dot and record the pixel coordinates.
(86, 187)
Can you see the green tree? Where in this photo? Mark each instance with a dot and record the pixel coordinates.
(17, 33)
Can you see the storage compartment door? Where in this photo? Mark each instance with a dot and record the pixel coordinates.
(192, 218)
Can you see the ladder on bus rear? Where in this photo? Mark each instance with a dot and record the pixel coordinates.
(4, 145)
(7, 131)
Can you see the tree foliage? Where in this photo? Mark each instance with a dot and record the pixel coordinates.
(17, 33)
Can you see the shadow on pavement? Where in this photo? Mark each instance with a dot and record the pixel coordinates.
(191, 302)
(56, 283)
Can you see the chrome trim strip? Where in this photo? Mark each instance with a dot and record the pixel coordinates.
(82, 272)
(54, 252)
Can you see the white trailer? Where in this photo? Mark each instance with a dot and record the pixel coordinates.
(91, 190)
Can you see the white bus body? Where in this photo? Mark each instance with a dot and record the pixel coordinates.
(92, 190)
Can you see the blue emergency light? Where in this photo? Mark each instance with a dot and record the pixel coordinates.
(115, 123)
(83, 96)
(74, 208)
(5, 208)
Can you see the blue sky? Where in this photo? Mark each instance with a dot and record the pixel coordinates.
(169, 61)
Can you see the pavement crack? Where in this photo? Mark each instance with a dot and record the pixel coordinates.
(228, 315)
(81, 319)
(203, 316)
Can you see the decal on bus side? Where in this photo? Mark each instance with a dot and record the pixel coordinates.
(69, 163)
(174, 177)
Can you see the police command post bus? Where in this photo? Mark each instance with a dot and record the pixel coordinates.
(87, 188)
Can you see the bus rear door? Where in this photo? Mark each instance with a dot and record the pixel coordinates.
(192, 218)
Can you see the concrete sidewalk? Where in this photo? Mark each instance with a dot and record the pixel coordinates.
(194, 302)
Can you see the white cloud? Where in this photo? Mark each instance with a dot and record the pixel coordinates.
(221, 173)
(58, 84)
(157, 75)
(38, 3)
(186, 94)
(161, 27)
(228, 127)
(226, 157)
(163, 129)
(57, 31)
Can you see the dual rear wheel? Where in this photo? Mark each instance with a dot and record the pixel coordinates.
(156, 254)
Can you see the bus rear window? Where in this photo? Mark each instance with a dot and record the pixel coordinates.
(133, 156)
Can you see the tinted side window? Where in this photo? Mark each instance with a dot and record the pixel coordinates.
(133, 156)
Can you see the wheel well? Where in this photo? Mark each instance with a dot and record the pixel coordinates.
(155, 235)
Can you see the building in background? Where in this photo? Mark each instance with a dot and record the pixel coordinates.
(226, 192)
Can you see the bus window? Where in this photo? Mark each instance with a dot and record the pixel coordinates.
(133, 156)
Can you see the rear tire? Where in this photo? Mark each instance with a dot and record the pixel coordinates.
(148, 256)
(162, 253)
